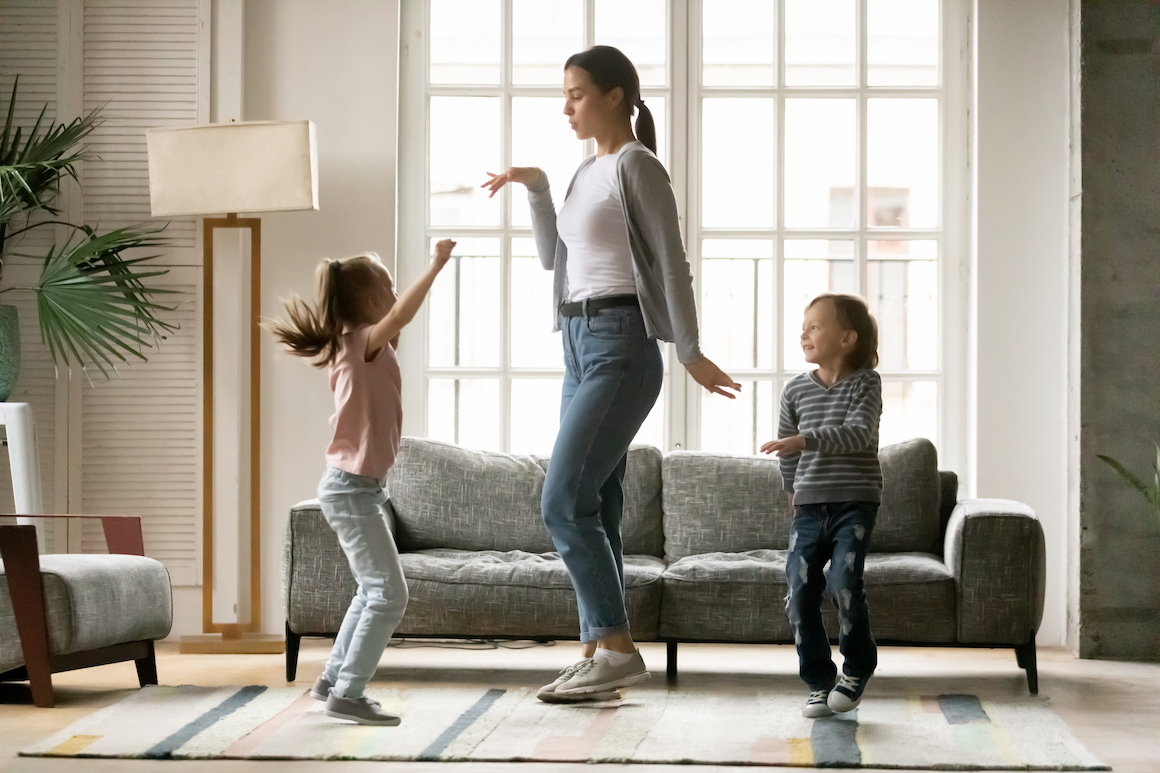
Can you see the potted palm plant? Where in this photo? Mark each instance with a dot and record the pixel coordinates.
(93, 301)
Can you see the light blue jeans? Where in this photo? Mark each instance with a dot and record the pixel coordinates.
(355, 507)
(613, 375)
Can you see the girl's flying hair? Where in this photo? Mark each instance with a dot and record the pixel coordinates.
(313, 331)
(854, 314)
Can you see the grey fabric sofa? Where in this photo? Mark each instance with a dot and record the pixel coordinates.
(705, 539)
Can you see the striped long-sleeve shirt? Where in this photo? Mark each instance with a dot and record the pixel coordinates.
(840, 426)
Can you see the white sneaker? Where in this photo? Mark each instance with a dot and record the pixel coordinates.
(548, 692)
(593, 676)
(321, 689)
(816, 705)
(364, 711)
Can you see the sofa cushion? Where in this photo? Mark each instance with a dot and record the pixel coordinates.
(513, 593)
(720, 503)
(908, 519)
(741, 597)
(93, 601)
(446, 496)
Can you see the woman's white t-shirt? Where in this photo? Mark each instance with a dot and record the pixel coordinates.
(591, 224)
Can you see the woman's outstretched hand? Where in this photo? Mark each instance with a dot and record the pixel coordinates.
(525, 175)
(708, 375)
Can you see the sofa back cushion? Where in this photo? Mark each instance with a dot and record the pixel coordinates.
(446, 496)
(733, 504)
(908, 520)
(716, 503)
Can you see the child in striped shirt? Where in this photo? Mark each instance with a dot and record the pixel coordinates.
(828, 449)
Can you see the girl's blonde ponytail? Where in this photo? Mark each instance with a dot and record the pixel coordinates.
(313, 332)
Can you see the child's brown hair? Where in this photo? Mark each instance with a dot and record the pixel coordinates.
(313, 331)
(854, 314)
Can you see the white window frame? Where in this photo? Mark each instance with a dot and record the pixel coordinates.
(683, 97)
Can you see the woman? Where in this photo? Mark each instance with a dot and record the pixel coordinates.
(621, 282)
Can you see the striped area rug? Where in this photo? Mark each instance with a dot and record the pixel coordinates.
(949, 732)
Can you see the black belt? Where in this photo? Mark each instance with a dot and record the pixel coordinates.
(591, 306)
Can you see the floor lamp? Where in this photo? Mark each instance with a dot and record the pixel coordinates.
(250, 167)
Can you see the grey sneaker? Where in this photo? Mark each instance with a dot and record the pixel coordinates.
(816, 705)
(364, 711)
(593, 676)
(548, 692)
(321, 689)
(848, 693)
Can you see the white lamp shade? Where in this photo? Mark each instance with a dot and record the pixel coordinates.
(253, 166)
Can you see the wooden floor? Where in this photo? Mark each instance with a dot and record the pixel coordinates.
(1113, 707)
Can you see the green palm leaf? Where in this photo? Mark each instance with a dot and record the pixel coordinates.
(1150, 492)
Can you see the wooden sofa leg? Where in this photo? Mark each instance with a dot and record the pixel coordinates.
(1025, 657)
(18, 550)
(292, 642)
(671, 666)
(147, 667)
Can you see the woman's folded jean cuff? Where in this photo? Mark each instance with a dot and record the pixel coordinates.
(595, 634)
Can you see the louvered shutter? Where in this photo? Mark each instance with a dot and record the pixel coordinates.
(141, 430)
(28, 49)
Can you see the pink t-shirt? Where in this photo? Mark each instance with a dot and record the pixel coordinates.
(368, 407)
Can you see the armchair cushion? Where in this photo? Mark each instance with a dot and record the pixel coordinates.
(93, 601)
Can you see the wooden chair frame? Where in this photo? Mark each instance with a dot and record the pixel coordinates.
(18, 550)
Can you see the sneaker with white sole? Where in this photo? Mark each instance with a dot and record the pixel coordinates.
(848, 693)
(321, 689)
(364, 711)
(548, 693)
(597, 675)
(816, 705)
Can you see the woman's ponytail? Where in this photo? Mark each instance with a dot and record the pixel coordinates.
(646, 130)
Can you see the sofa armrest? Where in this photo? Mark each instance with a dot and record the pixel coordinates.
(994, 548)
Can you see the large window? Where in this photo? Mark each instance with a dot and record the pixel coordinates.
(808, 145)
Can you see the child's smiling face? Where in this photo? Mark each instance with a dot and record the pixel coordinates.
(824, 341)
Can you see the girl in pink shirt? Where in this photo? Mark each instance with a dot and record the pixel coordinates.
(353, 331)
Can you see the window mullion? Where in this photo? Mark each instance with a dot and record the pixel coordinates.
(861, 218)
(505, 381)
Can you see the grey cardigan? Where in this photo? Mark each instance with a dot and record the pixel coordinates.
(664, 280)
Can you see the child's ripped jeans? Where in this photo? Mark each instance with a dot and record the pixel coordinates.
(838, 532)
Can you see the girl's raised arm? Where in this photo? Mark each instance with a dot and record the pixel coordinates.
(409, 303)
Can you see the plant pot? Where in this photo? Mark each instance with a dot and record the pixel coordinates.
(9, 350)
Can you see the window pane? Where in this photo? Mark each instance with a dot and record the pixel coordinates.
(459, 159)
(737, 177)
(738, 426)
(463, 317)
(909, 410)
(535, 415)
(737, 46)
(902, 291)
(737, 302)
(541, 137)
(465, 41)
(820, 143)
(812, 267)
(544, 34)
(819, 43)
(652, 432)
(464, 411)
(534, 345)
(479, 413)
(902, 42)
(639, 28)
(902, 163)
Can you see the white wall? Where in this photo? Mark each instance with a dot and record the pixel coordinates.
(334, 64)
(1020, 282)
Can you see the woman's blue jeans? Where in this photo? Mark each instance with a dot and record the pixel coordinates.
(613, 375)
(355, 507)
(838, 532)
